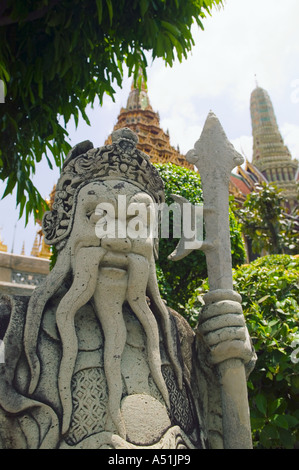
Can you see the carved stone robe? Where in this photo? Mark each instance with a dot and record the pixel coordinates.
(35, 421)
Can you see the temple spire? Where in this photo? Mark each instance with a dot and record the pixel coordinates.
(35, 248)
(3, 247)
(140, 117)
(270, 155)
(138, 97)
(45, 251)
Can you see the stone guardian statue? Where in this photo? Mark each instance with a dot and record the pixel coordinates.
(95, 358)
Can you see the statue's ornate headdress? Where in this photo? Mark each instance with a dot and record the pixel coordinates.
(84, 164)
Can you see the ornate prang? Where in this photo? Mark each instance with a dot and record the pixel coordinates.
(270, 155)
(139, 116)
(121, 160)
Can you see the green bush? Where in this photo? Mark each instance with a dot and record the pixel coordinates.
(269, 288)
(179, 279)
(265, 222)
(270, 294)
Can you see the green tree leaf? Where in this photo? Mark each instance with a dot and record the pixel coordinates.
(57, 62)
(110, 10)
(261, 403)
(144, 5)
(272, 325)
(99, 10)
(281, 421)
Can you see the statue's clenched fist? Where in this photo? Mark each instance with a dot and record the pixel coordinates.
(223, 330)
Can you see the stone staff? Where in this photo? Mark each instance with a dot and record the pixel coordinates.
(215, 158)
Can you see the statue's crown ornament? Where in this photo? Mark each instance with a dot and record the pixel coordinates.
(84, 164)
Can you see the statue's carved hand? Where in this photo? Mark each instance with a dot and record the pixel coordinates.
(223, 330)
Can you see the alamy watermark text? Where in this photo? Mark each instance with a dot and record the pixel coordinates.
(141, 220)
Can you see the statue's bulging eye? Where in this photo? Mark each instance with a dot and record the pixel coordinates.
(94, 216)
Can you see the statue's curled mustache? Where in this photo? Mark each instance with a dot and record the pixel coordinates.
(108, 287)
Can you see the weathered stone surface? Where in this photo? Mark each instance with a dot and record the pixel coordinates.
(95, 359)
(222, 322)
(153, 419)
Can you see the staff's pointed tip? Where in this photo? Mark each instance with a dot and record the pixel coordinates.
(211, 115)
(214, 146)
(212, 122)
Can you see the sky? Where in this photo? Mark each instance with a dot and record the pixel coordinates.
(247, 42)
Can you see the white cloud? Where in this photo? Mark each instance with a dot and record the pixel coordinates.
(243, 145)
(244, 38)
(241, 40)
(182, 134)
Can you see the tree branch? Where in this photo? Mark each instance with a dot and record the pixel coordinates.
(3, 6)
(34, 15)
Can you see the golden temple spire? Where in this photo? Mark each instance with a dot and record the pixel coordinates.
(45, 251)
(138, 97)
(35, 248)
(140, 117)
(3, 247)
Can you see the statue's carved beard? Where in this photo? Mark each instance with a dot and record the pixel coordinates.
(108, 289)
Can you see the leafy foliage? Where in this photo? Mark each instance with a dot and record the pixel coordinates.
(266, 224)
(270, 291)
(178, 279)
(56, 57)
(269, 288)
(270, 298)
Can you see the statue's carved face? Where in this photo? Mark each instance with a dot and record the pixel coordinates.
(112, 258)
(109, 256)
(115, 215)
